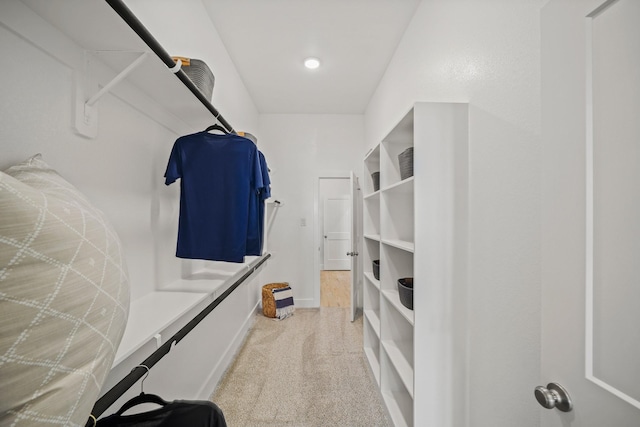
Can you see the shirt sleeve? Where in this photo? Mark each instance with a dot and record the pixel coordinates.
(174, 167)
(265, 192)
(256, 176)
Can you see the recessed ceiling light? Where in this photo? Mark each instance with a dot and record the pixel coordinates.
(312, 63)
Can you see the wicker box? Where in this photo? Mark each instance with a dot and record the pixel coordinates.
(268, 301)
(375, 177)
(405, 159)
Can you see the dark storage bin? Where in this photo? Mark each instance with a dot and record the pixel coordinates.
(405, 289)
(405, 159)
(376, 180)
(199, 73)
(376, 269)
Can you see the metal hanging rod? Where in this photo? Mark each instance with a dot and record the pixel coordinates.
(111, 396)
(135, 24)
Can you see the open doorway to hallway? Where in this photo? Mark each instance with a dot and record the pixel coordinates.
(334, 211)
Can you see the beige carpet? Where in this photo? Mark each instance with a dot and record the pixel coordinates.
(306, 370)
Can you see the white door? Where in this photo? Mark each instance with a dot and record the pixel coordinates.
(355, 239)
(337, 234)
(591, 211)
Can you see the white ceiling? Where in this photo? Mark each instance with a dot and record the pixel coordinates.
(269, 39)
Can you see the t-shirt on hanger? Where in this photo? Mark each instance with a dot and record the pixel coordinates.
(218, 176)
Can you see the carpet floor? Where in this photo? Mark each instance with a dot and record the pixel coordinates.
(304, 371)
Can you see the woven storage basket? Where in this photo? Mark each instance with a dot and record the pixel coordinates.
(268, 302)
(199, 73)
(406, 163)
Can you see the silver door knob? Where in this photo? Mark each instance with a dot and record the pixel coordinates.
(554, 396)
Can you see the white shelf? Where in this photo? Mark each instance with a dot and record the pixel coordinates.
(375, 237)
(395, 411)
(400, 363)
(400, 244)
(404, 186)
(375, 282)
(374, 321)
(374, 364)
(372, 196)
(373, 156)
(151, 314)
(394, 298)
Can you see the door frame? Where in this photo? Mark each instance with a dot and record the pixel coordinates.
(318, 227)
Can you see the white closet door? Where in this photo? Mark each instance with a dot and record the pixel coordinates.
(337, 233)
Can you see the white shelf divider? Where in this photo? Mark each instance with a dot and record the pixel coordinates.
(400, 244)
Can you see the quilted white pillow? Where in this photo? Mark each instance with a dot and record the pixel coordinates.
(64, 298)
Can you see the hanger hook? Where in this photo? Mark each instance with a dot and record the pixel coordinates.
(146, 374)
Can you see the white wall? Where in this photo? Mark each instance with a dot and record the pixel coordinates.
(486, 53)
(120, 171)
(298, 148)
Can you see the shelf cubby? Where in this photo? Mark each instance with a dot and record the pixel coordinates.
(394, 393)
(397, 217)
(396, 334)
(393, 297)
(394, 264)
(371, 165)
(371, 215)
(371, 297)
(372, 346)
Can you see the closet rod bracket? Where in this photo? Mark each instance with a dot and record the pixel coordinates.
(117, 79)
(86, 111)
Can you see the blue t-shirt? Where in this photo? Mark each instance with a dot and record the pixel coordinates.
(255, 238)
(218, 176)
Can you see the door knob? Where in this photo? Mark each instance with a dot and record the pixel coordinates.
(554, 396)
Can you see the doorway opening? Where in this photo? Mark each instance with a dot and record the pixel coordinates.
(337, 229)
(334, 218)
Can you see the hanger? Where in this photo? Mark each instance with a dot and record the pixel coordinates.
(142, 397)
(216, 127)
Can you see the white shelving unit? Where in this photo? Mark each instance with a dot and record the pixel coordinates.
(416, 227)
